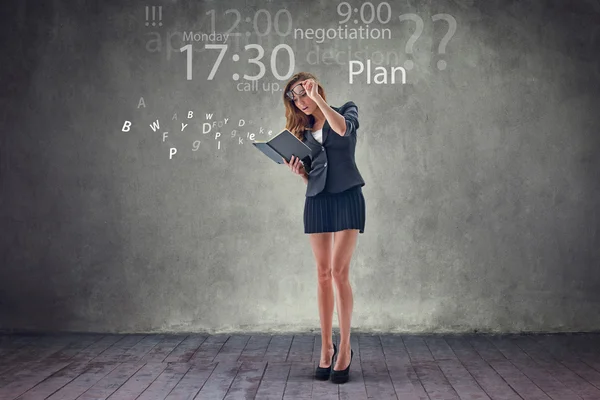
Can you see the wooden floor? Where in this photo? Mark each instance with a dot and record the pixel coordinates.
(86, 366)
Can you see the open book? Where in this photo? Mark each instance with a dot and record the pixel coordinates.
(284, 145)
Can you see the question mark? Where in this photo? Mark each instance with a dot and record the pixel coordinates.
(408, 64)
(441, 64)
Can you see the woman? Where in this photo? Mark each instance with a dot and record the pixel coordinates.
(334, 208)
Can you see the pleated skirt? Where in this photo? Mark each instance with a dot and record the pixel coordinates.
(332, 212)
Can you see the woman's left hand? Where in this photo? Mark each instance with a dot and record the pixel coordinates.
(311, 88)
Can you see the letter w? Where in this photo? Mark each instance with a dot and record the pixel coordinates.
(155, 126)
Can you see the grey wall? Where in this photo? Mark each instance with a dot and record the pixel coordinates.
(482, 179)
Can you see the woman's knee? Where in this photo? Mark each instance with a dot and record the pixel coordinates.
(340, 274)
(324, 272)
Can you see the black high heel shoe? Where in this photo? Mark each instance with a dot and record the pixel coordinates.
(343, 375)
(322, 373)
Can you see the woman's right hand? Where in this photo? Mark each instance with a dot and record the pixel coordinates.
(295, 165)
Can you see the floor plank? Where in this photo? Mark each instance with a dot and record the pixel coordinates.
(83, 382)
(165, 382)
(273, 382)
(186, 349)
(191, 383)
(139, 382)
(264, 366)
(111, 382)
(218, 383)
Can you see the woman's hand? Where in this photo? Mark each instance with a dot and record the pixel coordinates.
(311, 88)
(295, 165)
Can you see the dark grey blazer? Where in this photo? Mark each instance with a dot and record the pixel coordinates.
(331, 165)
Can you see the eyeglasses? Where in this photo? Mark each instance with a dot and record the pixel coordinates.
(297, 90)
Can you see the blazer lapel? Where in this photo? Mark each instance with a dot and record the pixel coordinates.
(309, 136)
(326, 128)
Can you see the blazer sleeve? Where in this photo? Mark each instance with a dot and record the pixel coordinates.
(350, 113)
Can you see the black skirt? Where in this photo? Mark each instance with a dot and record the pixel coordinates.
(332, 212)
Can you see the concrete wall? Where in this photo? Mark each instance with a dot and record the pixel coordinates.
(482, 179)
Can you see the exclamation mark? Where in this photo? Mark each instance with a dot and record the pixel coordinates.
(153, 15)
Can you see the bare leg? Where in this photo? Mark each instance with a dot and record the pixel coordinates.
(343, 248)
(321, 244)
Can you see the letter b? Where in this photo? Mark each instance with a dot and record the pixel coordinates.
(126, 126)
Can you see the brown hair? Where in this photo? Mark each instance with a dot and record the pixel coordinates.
(296, 120)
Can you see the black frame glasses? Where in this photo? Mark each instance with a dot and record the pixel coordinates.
(290, 93)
